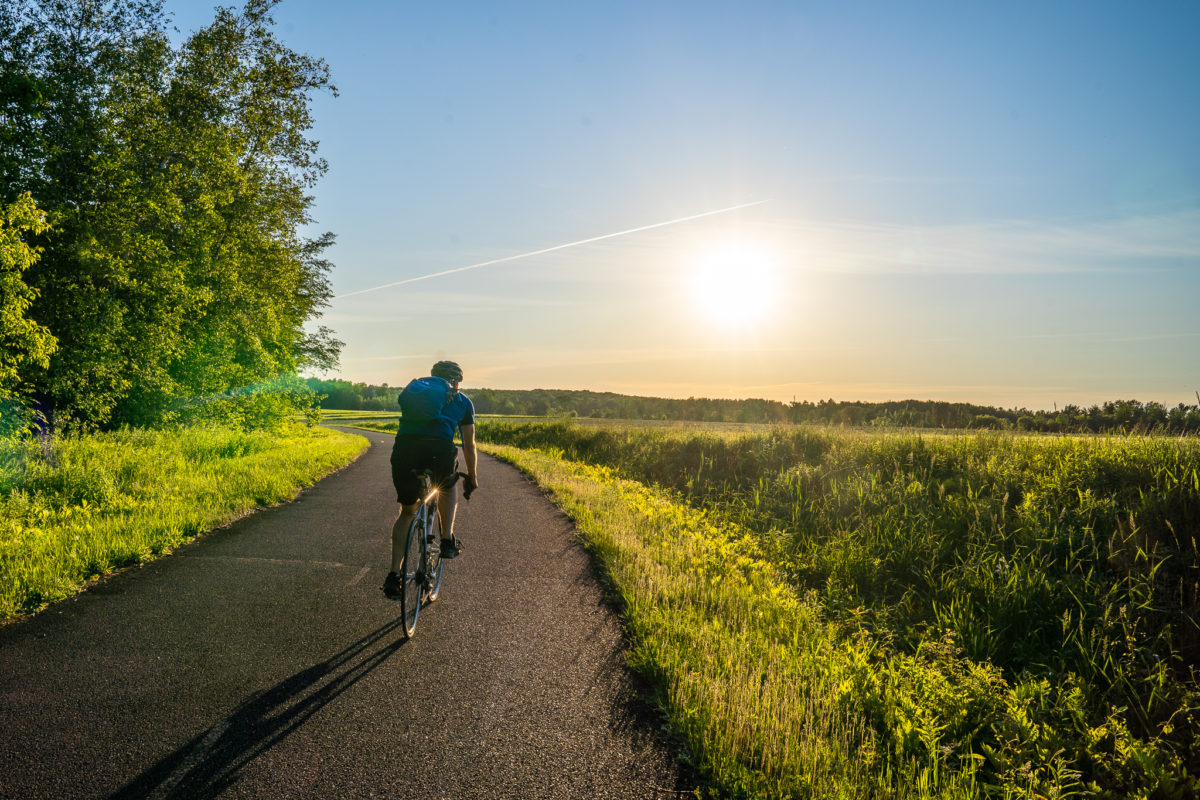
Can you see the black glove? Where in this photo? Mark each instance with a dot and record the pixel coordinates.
(469, 485)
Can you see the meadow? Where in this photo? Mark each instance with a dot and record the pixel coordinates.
(386, 421)
(836, 612)
(75, 507)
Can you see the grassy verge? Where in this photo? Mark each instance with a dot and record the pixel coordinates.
(756, 683)
(978, 616)
(76, 508)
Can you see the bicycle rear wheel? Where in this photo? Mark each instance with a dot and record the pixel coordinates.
(433, 556)
(411, 577)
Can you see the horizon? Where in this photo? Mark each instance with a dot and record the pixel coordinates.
(990, 205)
(468, 389)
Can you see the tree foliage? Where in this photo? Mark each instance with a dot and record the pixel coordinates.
(23, 342)
(176, 180)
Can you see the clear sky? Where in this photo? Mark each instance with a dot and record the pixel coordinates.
(984, 202)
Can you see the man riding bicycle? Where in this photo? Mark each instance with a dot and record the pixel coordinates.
(425, 441)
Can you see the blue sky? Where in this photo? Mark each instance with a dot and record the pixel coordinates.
(992, 203)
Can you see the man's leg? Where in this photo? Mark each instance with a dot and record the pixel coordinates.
(447, 506)
(400, 534)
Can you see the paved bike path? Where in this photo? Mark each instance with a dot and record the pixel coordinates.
(263, 661)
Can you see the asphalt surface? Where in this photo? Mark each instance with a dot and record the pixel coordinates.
(263, 661)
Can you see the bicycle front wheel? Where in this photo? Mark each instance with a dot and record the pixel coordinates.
(411, 577)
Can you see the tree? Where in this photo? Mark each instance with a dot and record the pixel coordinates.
(57, 58)
(21, 101)
(238, 157)
(176, 181)
(22, 341)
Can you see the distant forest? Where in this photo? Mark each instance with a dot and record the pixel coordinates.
(1128, 416)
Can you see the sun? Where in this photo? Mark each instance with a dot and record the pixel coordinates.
(734, 285)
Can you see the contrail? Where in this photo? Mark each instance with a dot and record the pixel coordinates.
(548, 249)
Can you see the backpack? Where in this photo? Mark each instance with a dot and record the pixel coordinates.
(424, 398)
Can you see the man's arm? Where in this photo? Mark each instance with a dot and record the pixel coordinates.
(468, 438)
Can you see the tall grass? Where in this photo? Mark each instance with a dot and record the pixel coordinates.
(1029, 605)
(751, 677)
(76, 507)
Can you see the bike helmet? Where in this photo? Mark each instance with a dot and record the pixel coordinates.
(447, 370)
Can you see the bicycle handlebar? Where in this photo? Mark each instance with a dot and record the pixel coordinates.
(467, 489)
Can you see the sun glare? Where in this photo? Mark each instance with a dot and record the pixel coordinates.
(734, 285)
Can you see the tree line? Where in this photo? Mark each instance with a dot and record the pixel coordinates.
(1127, 416)
(1115, 416)
(152, 202)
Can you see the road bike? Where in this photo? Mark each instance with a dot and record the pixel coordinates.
(421, 573)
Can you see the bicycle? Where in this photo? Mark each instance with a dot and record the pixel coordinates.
(421, 573)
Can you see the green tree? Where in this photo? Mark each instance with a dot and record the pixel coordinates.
(239, 166)
(22, 341)
(177, 181)
(21, 101)
(58, 58)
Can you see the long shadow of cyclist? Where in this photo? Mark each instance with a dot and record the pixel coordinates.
(209, 764)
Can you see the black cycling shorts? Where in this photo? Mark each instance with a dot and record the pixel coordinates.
(420, 453)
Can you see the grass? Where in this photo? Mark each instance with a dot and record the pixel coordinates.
(386, 421)
(78, 507)
(337, 415)
(752, 678)
(994, 615)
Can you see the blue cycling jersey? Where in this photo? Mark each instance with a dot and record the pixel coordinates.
(458, 412)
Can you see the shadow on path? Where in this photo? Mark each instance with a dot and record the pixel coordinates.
(209, 764)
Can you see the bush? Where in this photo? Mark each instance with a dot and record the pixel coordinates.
(262, 406)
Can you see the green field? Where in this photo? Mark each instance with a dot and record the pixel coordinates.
(386, 421)
(978, 615)
(76, 507)
(821, 612)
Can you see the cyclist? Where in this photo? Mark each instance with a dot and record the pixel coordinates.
(429, 444)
